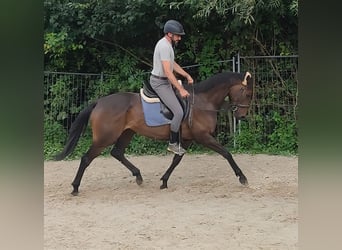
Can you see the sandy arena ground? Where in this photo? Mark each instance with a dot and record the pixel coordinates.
(205, 206)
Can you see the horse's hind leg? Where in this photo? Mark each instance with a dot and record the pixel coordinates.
(118, 152)
(175, 161)
(86, 159)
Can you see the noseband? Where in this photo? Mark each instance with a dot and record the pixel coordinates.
(234, 107)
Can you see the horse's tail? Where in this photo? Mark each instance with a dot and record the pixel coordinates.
(77, 127)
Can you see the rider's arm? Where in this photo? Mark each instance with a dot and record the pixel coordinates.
(169, 74)
(178, 69)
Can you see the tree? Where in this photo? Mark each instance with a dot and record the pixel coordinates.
(94, 36)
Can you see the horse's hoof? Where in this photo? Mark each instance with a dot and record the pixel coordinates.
(74, 193)
(74, 189)
(243, 180)
(164, 185)
(139, 180)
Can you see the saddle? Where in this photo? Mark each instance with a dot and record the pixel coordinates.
(149, 95)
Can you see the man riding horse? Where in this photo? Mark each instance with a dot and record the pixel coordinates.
(162, 79)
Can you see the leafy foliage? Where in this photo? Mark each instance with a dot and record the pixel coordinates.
(93, 36)
(53, 134)
(281, 140)
(118, 38)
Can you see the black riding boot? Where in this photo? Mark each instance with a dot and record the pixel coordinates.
(174, 144)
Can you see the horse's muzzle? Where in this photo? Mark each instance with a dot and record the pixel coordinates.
(241, 118)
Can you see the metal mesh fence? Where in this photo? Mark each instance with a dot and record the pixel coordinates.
(275, 97)
(275, 104)
(65, 94)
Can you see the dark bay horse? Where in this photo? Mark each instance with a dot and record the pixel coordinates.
(116, 118)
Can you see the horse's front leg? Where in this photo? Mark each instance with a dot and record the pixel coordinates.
(212, 143)
(175, 161)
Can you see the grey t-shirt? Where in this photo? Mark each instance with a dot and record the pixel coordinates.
(162, 52)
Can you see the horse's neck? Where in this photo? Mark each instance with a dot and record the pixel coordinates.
(214, 97)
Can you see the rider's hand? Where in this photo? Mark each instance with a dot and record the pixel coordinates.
(189, 79)
(184, 93)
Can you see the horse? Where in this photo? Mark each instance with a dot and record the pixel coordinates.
(117, 117)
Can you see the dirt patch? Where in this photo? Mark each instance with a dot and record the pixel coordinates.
(205, 206)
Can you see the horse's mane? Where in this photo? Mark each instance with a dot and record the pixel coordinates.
(220, 78)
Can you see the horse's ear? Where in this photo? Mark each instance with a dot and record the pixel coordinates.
(244, 82)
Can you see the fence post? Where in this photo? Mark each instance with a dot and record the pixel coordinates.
(233, 61)
(101, 78)
(234, 119)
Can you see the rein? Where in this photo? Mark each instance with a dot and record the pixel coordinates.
(191, 105)
(232, 107)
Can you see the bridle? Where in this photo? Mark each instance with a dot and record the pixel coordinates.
(233, 107)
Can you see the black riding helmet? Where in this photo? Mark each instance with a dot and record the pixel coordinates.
(174, 27)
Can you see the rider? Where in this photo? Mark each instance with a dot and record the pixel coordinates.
(162, 79)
